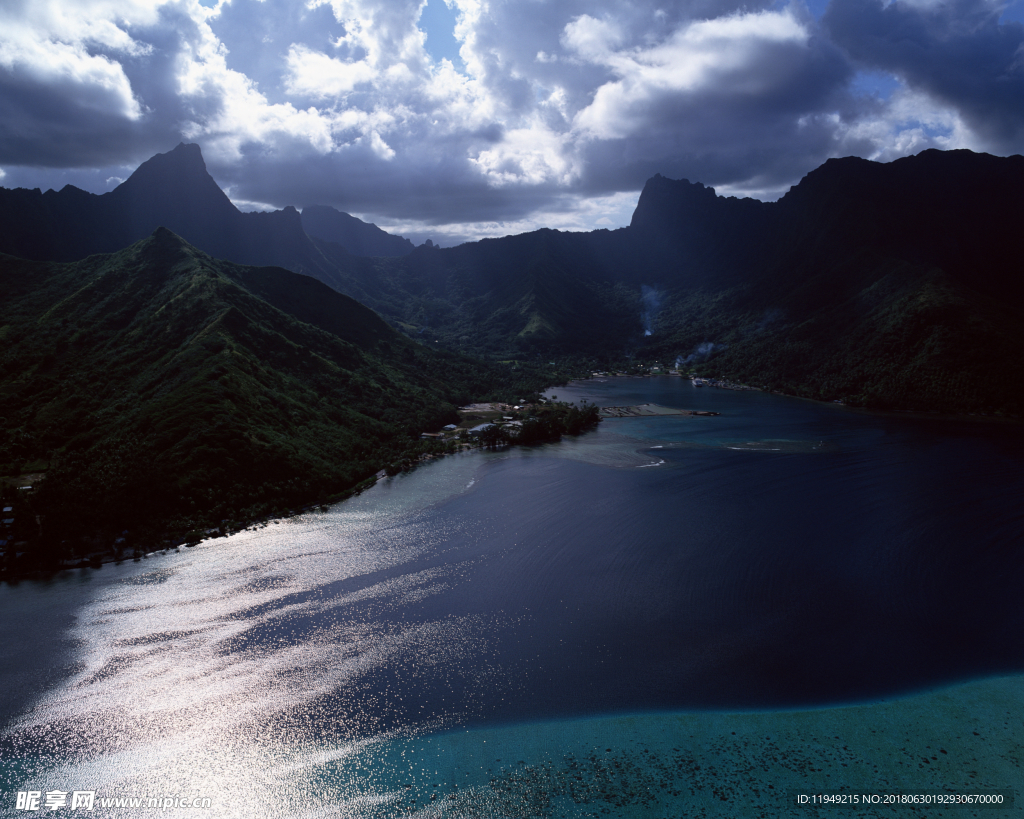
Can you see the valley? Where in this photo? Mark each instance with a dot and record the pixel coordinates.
(179, 367)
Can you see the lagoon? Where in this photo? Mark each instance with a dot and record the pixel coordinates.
(668, 616)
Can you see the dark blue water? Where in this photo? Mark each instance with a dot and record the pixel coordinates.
(725, 578)
(882, 556)
(781, 554)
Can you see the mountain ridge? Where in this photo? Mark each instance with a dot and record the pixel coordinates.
(357, 237)
(708, 279)
(174, 190)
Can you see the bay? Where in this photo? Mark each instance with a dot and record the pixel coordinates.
(563, 630)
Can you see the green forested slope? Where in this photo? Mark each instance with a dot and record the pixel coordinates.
(893, 336)
(165, 385)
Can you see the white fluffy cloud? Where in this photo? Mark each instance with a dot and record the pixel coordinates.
(746, 55)
(562, 107)
(315, 74)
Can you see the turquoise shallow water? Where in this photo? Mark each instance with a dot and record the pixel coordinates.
(571, 630)
(965, 739)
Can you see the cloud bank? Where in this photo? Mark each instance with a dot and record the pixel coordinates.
(556, 114)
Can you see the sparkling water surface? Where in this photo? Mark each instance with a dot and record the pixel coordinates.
(668, 616)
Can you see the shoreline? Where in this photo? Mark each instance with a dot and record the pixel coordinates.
(174, 543)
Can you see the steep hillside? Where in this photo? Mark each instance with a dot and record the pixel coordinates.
(167, 385)
(892, 285)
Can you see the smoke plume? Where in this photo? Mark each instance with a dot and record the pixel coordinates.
(700, 353)
(651, 301)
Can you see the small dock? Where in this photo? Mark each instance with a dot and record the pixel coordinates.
(649, 411)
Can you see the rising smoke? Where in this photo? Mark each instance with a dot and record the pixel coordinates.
(700, 353)
(650, 298)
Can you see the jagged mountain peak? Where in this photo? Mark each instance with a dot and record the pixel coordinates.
(186, 157)
(163, 250)
(179, 174)
(165, 238)
(175, 189)
(662, 196)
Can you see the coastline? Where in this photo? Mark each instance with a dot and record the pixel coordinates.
(170, 542)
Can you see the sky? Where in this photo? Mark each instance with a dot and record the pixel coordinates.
(459, 119)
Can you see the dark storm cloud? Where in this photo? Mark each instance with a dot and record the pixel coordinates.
(766, 122)
(54, 125)
(749, 100)
(956, 52)
(83, 102)
(401, 190)
(66, 109)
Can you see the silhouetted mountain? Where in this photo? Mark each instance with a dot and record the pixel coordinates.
(892, 285)
(172, 190)
(688, 235)
(884, 284)
(956, 210)
(357, 237)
